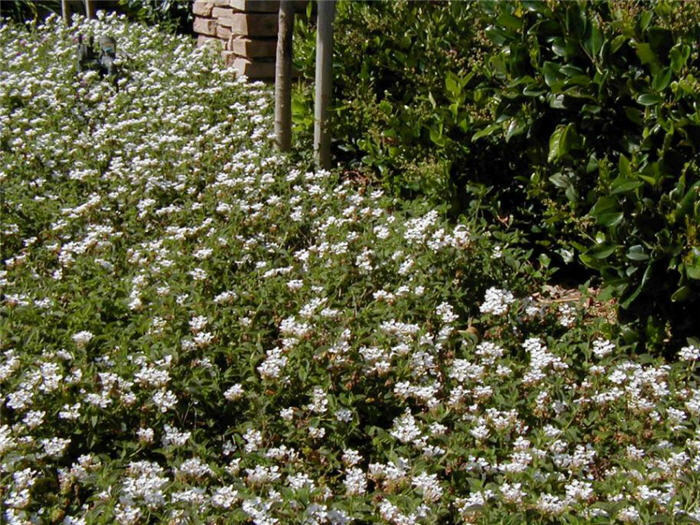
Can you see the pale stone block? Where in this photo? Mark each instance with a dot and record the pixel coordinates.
(251, 69)
(202, 7)
(219, 12)
(205, 26)
(223, 32)
(252, 24)
(252, 48)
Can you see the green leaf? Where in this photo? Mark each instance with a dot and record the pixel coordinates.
(602, 251)
(681, 294)
(630, 299)
(617, 43)
(621, 185)
(533, 90)
(692, 267)
(635, 115)
(648, 99)
(561, 142)
(606, 211)
(637, 253)
(661, 79)
(610, 219)
(514, 129)
(552, 75)
(452, 85)
(647, 56)
(624, 166)
(560, 181)
(594, 43)
(488, 130)
(679, 56)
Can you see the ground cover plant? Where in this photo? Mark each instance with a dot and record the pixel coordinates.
(194, 329)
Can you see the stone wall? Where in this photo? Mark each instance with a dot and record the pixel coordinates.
(247, 30)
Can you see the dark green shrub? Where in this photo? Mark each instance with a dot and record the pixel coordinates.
(24, 10)
(599, 99)
(391, 63)
(171, 15)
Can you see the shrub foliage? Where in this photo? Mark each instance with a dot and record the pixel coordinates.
(577, 120)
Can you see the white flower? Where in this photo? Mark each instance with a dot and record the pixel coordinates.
(344, 415)
(145, 435)
(428, 485)
(405, 428)
(234, 392)
(351, 457)
(355, 481)
(496, 301)
(164, 400)
(689, 353)
(224, 497)
(602, 348)
(81, 339)
(55, 446)
(316, 432)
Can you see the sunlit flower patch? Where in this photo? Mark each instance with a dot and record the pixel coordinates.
(194, 328)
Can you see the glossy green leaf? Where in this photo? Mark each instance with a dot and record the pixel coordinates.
(692, 267)
(451, 84)
(624, 166)
(679, 56)
(648, 99)
(681, 294)
(560, 181)
(622, 185)
(602, 251)
(488, 130)
(662, 79)
(637, 253)
(561, 142)
(552, 76)
(514, 129)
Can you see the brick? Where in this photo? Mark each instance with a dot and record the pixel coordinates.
(255, 6)
(257, 48)
(254, 69)
(222, 12)
(252, 24)
(202, 7)
(204, 40)
(204, 26)
(223, 32)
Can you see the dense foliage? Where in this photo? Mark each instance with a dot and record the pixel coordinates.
(170, 15)
(194, 329)
(576, 121)
(597, 103)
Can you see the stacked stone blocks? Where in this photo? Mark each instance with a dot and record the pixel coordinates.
(247, 30)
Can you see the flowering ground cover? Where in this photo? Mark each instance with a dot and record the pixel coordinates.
(194, 329)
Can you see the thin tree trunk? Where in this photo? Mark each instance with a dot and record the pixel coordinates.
(324, 80)
(283, 76)
(90, 8)
(65, 12)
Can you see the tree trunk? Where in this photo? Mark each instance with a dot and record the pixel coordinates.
(324, 80)
(283, 76)
(65, 12)
(90, 9)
